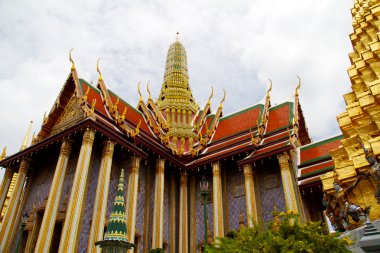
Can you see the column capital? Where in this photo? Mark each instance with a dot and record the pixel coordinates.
(160, 165)
(135, 164)
(283, 160)
(108, 148)
(89, 135)
(24, 165)
(66, 146)
(183, 178)
(215, 168)
(248, 171)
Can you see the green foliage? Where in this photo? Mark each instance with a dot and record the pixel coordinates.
(158, 250)
(286, 235)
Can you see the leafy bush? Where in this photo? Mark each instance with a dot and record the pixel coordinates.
(284, 234)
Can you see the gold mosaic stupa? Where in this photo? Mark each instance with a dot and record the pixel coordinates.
(360, 123)
(176, 100)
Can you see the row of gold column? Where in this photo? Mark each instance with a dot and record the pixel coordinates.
(48, 222)
(70, 234)
(10, 216)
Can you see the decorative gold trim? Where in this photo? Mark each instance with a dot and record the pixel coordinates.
(101, 198)
(70, 233)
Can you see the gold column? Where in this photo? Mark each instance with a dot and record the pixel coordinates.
(217, 200)
(183, 221)
(288, 183)
(148, 184)
(74, 214)
(11, 212)
(48, 222)
(7, 179)
(250, 197)
(193, 214)
(158, 213)
(172, 214)
(133, 185)
(101, 198)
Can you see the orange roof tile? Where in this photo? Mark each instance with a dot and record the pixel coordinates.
(319, 150)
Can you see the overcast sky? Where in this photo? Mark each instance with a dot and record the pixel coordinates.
(233, 45)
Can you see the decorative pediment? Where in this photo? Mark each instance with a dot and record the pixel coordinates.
(72, 114)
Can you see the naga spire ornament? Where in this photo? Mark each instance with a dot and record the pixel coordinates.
(98, 70)
(71, 59)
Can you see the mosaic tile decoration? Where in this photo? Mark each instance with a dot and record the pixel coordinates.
(93, 174)
(151, 207)
(140, 205)
(236, 205)
(40, 186)
(166, 208)
(269, 197)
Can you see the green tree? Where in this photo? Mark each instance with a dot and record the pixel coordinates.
(284, 234)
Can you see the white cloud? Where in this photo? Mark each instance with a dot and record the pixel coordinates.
(232, 45)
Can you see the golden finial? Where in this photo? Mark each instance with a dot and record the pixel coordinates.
(98, 70)
(124, 113)
(148, 90)
(223, 99)
(84, 98)
(71, 59)
(115, 105)
(25, 143)
(298, 86)
(139, 91)
(212, 94)
(137, 129)
(3, 154)
(270, 88)
(177, 38)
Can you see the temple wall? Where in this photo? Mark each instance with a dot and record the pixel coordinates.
(166, 208)
(42, 177)
(270, 195)
(235, 197)
(152, 170)
(140, 204)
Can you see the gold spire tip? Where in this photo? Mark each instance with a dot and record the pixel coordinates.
(71, 59)
(148, 90)
(212, 94)
(98, 70)
(298, 85)
(177, 37)
(138, 90)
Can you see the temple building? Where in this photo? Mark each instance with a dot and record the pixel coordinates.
(254, 160)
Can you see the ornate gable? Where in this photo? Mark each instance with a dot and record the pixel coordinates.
(72, 114)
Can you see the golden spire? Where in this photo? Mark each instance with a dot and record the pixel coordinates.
(270, 88)
(223, 99)
(212, 94)
(177, 37)
(71, 59)
(148, 90)
(26, 139)
(98, 70)
(298, 86)
(139, 91)
(3, 154)
(296, 102)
